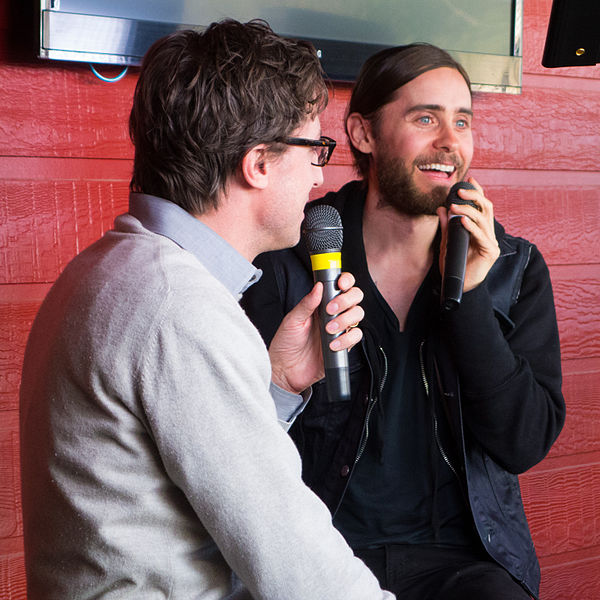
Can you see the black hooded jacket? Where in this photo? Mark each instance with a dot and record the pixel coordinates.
(492, 367)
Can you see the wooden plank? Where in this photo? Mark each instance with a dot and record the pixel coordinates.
(562, 507)
(16, 315)
(35, 168)
(77, 116)
(552, 218)
(12, 569)
(581, 432)
(572, 580)
(11, 521)
(46, 223)
(514, 131)
(577, 298)
(59, 109)
(530, 131)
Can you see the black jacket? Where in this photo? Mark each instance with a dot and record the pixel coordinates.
(493, 368)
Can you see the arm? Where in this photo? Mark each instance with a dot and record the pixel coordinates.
(214, 424)
(511, 384)
(511, 397)
(294, 339)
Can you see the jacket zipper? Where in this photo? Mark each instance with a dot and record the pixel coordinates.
(435, 420)
(372, 402)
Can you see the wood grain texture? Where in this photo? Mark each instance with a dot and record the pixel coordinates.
(515, 131)
(573, 580)
(46, 223)
(11, 522)
(63, 110)
(577, 298)
(581, 432)
(12, 569)
(562, 507)
(16, 313)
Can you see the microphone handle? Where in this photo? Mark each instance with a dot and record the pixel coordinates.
(455, 264)
(337, 370)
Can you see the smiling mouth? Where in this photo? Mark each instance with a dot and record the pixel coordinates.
(447, 170)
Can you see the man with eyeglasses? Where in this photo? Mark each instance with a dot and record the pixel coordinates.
(420, 467)
(153, 461)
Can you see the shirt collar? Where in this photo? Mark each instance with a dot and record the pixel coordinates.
(220, 258)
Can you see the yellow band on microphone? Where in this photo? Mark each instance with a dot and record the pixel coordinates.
(326, 260)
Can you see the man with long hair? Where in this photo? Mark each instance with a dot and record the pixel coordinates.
(419, 468)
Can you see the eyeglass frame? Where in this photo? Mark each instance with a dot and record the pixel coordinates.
(322, 142)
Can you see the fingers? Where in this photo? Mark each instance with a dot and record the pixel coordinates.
(350, 296)
(478, 220)
(479, 217)
(347, 320)
(348, 314)
(347, 340)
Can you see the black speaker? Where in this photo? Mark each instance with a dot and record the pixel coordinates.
(573, 37)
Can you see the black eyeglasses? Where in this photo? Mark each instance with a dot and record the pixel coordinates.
(323, 146)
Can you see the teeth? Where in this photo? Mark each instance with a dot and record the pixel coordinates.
(437, 167)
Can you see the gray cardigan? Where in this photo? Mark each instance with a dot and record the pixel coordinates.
(153, 464)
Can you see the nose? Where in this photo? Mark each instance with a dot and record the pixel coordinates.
(447, 139)
(318, 176)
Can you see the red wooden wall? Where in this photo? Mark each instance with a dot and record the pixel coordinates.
(65, 161)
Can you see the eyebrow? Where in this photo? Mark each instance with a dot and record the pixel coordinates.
(437, 107)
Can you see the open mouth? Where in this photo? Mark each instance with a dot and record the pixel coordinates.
(446, 170)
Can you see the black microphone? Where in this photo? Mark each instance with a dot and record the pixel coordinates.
(457, 245)
(323, 234)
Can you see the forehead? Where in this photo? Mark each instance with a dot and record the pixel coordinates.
(443, 87)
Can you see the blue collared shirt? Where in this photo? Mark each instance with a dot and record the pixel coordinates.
(223, 261)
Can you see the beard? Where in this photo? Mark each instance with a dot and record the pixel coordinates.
(398, 190)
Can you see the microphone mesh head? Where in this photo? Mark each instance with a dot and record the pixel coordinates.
(454, 198)
(322, 229)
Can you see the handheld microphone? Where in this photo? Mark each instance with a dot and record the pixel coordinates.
(323, 234)
(457, 245)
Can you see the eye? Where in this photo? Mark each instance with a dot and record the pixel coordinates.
(425, 119)
(462, 124)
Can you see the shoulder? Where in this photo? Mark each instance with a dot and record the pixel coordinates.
(519, 265)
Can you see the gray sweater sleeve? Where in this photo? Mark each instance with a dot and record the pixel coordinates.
(215, 426)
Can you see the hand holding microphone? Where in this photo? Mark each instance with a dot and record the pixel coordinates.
(323, 235)
(299, 351)
(478, 233)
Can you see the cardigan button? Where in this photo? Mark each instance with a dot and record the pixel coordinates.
(345, 470)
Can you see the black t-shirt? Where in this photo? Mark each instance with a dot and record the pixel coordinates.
(401, 489)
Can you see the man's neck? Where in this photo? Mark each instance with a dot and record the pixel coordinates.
(387, 231)
(234, 224)
(399, 251)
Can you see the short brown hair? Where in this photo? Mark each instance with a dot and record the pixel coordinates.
(204, 98)
(383, 74)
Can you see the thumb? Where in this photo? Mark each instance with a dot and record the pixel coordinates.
(307, 306)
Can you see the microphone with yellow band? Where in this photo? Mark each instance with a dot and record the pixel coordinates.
(323, 235)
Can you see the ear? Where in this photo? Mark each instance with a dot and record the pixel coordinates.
(255, 167)
(359, 132)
